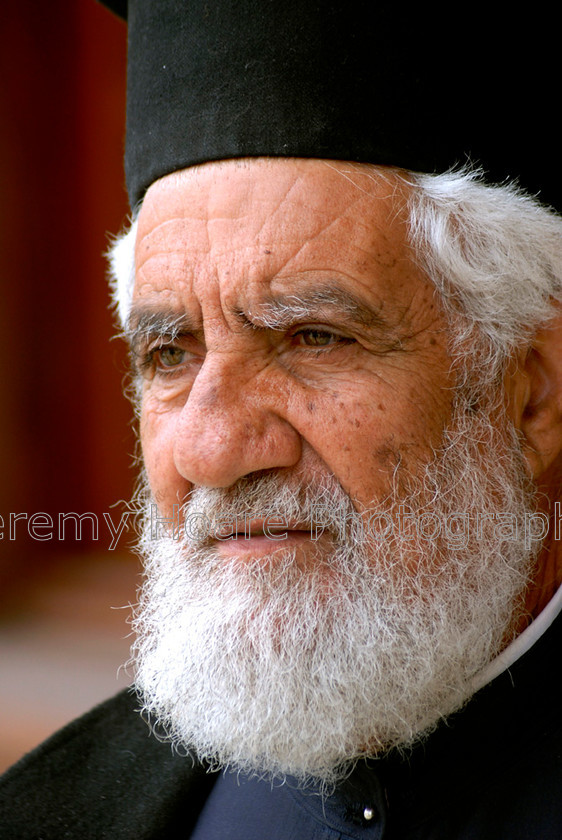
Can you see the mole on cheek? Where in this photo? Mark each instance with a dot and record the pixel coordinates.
(386, 455)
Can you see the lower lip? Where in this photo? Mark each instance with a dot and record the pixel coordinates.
(261, 544)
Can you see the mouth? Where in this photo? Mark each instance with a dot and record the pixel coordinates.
(262, 536)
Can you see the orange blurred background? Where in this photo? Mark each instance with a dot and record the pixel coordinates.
(66, 439)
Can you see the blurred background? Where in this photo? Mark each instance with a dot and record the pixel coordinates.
(66, 437)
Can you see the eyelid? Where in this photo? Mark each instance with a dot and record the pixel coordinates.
(144, 343)
(338, 332)
(182, 340)
(162, 341)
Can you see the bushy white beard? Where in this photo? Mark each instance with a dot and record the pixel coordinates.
(281, 666)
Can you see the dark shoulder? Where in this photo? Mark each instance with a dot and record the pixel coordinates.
(104, 775)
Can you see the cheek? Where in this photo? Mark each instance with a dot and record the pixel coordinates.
(363, 442)
(157, 434)
(352, 442)
(373, 450)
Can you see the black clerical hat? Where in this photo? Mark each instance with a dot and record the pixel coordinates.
(361, 80)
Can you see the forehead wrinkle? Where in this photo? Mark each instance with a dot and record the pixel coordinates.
(164, 240)
(267, 219)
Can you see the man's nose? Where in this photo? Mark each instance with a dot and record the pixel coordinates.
(231, 425)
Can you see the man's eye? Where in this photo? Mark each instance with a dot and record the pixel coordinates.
(169, 357)
(319, 338)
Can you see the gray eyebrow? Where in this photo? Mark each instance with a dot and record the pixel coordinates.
(278, 312)
(148, 323)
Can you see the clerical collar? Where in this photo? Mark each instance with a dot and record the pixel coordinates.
(519, 645)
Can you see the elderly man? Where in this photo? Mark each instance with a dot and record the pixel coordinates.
(350, 395)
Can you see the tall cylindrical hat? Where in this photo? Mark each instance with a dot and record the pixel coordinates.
(357, 80)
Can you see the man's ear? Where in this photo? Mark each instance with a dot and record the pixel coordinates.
(535, 398)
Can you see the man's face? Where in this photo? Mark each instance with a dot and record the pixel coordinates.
(293, 357)
(308, 341)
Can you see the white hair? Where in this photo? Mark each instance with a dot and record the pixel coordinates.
(278, 665)
(493, 252)
(494, 255)
(121, 256)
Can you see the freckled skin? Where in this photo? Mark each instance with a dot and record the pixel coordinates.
(214, 240)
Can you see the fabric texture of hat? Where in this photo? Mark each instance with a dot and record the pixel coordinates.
(357, 80)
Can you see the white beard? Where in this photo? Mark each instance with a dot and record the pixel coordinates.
(282, 667)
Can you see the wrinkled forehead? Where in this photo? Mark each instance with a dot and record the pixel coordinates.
(293, 212)
(297, 185)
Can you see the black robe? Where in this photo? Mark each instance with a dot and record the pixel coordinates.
(492, 771)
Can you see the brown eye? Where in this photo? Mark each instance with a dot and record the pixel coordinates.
(171, 356)
(317, 338)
